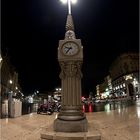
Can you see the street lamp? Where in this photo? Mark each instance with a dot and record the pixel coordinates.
(11, 86)
(10, 81)
(69, 4)
(65, 1)
(57, 93)
(0, 58)
(58, 89)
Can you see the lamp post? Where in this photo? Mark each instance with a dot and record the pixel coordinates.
(10, 94)
(57, 94)
(69, 6)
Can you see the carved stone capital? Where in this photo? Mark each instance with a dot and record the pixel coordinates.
(70, 69)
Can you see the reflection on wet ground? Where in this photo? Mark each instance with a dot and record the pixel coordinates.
(107, 107)
(123, 123)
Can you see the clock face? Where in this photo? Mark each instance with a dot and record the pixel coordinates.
(70, 48)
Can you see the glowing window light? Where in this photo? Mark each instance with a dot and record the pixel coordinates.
(123, 84)
(135, 82)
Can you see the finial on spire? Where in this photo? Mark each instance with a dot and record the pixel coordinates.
(69, 28)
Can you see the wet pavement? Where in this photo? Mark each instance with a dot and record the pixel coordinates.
(123, 123)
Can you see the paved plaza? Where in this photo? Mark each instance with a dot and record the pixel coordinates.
(119, 124)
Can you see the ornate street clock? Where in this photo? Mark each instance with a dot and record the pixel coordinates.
(70, 48)
(70, 56)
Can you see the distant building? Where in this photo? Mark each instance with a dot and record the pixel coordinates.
(105, 89)
(123, 78)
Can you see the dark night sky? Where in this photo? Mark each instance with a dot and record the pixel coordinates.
(31, 30)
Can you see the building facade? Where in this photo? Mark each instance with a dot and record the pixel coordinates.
(9, 87)
(123, 78)
(124, 72)
(104, 90)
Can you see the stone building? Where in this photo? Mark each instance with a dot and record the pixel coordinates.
(123, 78)
(124, 72)
(105, 89)
(1, 61)
(9, 86)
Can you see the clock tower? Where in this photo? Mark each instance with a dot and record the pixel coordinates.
(70, 56)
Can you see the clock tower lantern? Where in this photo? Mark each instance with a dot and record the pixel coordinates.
(70, 56)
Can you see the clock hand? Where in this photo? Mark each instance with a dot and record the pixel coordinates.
(68, 49)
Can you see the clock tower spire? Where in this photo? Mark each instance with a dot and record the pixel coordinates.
(70, 34)
(69, 23)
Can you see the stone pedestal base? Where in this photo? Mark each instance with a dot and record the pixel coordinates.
(71, 126)
(50, 134)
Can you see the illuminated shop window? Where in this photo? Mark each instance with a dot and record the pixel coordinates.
(135, 82)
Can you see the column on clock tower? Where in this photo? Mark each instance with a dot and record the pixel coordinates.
(71, 83)
(71, 117)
